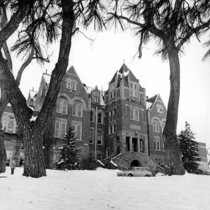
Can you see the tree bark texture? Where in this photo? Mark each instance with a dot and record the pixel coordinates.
(34, 164)
(172, 149)
(3, 155)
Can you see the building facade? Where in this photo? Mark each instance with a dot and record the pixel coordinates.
(119, 127)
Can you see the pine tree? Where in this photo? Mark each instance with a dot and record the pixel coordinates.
(70, 152)
(189, 149)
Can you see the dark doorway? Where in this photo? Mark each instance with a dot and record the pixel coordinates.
(135, 163)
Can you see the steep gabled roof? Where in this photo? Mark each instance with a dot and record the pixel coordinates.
(151, 101)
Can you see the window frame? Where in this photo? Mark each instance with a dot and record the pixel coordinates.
(76, 124)
(75, 109)
(60, 132)
(62, 106)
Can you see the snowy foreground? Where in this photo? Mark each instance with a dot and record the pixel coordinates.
(103, 190)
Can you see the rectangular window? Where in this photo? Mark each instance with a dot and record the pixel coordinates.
(113, 128)
(134, 89)
(110, 129)
(110, 116)
(157, 144)
(134, 114)
(57, 126)
(91, 137)
(114, 114)
(60, 128)
(65, 107)
(99, 138)
(78, 130)
(131, 114)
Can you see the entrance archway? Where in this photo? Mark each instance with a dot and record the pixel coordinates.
(135, 163)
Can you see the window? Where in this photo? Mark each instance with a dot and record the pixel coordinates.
(100, 117)
(77, 130)
(96, 97)
(60, 128)
(156, 126)
(141, 144)
(156, 143)
(159, 109)
(134, 92)
(77, 109)
(71, 84)
(114, 114)
(91, 137)
(110, 115)
(91, 116)
(99, 138)
(62, 106)
(134, 114)
(74, 85)
(112, 129)
(112, 92)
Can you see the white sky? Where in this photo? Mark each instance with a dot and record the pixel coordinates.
(102, 189)
(97, 62)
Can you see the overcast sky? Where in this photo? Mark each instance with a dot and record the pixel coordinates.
(96, 63)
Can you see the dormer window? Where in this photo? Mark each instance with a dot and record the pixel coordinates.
(96, 98)
(71, 84)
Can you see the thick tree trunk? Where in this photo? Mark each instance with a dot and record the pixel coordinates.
(173, 154)
(34, 165)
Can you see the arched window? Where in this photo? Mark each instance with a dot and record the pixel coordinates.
(62, 106)
(156, 126)
(77, 109)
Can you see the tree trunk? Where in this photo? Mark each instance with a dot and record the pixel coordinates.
(34, 164)
(3, 154)
(173, 154)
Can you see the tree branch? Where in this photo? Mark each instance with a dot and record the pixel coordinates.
(13, 24)
(23, 66)
(194, 31)
(8, 55)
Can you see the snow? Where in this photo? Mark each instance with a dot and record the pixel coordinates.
(113, 163)
(102, 189)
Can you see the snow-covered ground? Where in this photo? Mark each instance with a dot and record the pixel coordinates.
(103, 190)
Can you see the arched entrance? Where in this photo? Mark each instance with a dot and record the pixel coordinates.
(135, 163)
